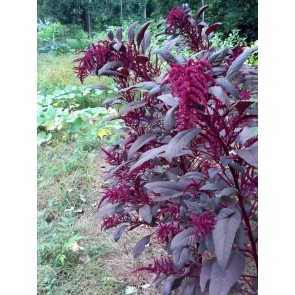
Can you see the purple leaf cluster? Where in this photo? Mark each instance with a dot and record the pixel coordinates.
(187, 167)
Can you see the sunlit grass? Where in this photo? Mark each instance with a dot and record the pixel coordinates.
(56, 72)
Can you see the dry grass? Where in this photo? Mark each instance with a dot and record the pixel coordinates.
(110, 273)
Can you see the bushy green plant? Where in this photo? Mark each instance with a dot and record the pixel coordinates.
(72, 110)
(51, 38)
(58, 244)
(219, 40)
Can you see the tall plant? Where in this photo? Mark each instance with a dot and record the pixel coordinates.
(188, 167)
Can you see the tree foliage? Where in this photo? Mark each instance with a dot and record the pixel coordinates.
(236, 14)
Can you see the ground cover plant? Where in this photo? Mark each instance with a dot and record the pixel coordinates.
(187, 166)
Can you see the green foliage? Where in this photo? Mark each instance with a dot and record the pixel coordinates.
(239, 14)
(51, 38)
(231, 41)
(71, 113)
(58, 244)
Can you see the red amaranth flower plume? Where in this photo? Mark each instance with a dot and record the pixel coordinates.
(177, 19)
(166, 232)
(190, 83)
(161, 266)
(204, 223)
(94, 59)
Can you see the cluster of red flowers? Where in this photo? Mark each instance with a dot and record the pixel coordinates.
(161, 266)
(176, 18)
(179, 20)
(95, 57)
(190, 83)
(204, 224)
(166, 232)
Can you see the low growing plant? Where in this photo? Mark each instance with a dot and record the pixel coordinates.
(69, 110)
(58, 244)
(187, 167)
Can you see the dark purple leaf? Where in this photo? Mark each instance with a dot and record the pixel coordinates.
(131, 32)
(201, 10)
(190, 287)
(206, 272)
(180, 257)
(212, 28)
(170, 44)
(242, 105)
(106, 210)
(180, 141)
(228, 86)
(149, 155)
(236, 167)
(217, 58)
(238, 62)
(250, 154)
(160, 279)
(224, 235)
(110, 73)
(210, 244)
(155, 90)
(170, 284)
(111, 35)
(167, 188)
(141, 32)
(192, 22)
(146, 42)
(115, 169)
(228, 191)
(184, 238)
(123, 129)
(193, 207)
(146, 85)
(146, 213)
(245, 135)
(240, 237)
(210, 187)
(202, 55)
(139, 247)
(195, 175)
(141, 59)
(167, 56)
(220, 94)
(168, 99)
(109, 100)
(119, 231)
(131, 106)
(225, 212)
(218, 72)
(109, 119)
(140, 142)
(222, 280)
(119, 34)
(110, 65)
(169, 119)
(100, 87)
(117, 46)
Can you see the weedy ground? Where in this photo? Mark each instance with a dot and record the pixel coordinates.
(74, 256)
